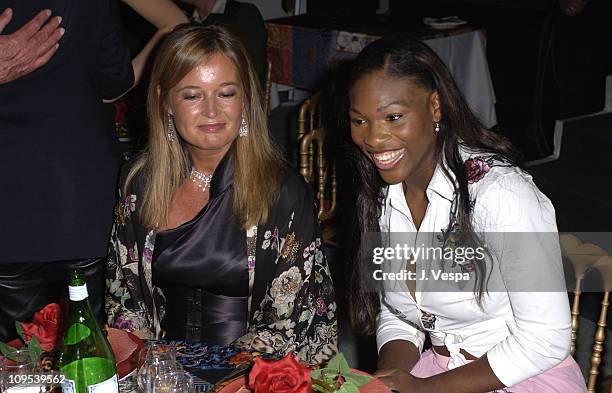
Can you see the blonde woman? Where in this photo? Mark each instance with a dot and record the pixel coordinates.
(215, 239)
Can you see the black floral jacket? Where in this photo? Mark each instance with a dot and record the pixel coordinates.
(291, 298)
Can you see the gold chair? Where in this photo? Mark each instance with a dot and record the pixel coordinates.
(583, 257)
(318, 179)
(310, 116)
(268, 88)
(319, 173)
(604, 265)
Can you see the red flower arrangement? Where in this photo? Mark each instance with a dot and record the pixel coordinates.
(287, 375)
(45, 327)
(39, 336)
(280, 376)
(121, 109)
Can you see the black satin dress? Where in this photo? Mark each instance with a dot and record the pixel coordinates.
(201, 266)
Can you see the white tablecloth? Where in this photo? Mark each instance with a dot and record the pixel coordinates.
(465, 56)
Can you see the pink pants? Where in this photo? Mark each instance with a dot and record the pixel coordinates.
(563, 378)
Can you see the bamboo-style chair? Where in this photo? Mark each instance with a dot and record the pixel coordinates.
(310, 115)
(583, 257)
(318, 170)
(268, 88)
(604, 266)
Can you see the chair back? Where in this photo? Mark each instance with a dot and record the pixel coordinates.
(310, 115)
(318, 170)
(268, 88)
(604, 266)
(584, 257)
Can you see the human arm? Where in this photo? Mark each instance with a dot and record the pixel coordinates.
(400, 344)
(125, 300)
(30, 47)
(399, 355)
(164, 15)
(522, 224)
(474, 377)
(298, 310)
(399, 349)
(519, 227)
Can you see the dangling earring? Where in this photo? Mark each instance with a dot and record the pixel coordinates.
(437, 129)
(171, 130)
(244, 128)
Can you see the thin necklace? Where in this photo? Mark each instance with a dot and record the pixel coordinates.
(200, 179)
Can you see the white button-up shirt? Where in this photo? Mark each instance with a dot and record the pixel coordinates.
(218, 8)
(525, 331)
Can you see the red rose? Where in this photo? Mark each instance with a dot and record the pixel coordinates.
(45, 326)
(280, 376)
(120, 110)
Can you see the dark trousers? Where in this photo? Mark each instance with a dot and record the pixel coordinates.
(27, 287)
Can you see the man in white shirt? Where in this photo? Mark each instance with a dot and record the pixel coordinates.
(203, 8)
(243, 19)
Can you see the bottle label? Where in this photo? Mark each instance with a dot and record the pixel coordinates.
(77, 293)
(68, 386)
(109, 386)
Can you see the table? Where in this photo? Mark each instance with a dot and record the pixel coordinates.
(303, 50)
(206, 363)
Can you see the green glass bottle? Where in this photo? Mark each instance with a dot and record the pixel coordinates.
(87, 359)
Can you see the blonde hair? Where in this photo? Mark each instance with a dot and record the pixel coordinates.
(165, 165)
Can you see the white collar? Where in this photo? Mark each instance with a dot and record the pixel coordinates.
(439, 183)
(218, 8)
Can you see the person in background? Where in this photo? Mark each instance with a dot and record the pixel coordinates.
(164, 15)
(30, 47)
(243, 19)
(59, 159)
(426, 170)
(215, 238)
(582, 57)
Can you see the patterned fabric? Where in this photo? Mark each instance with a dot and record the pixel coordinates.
(303, 49)
(291, 301)
(302, 56)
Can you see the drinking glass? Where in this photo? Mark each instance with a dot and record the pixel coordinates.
(155, 358)
(170, 382)
(14, 372)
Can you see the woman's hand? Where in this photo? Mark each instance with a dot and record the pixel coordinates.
(400, 380)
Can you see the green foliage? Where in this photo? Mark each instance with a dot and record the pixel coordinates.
(20, 331)
(33, 345)
(7, 351)
(337, 377)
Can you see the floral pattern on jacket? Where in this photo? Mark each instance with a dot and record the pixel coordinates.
(291, 298)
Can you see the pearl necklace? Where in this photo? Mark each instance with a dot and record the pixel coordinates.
(201, 180)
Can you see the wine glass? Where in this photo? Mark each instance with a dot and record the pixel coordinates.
(170, 381)
(14, 371)
(154, 358)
